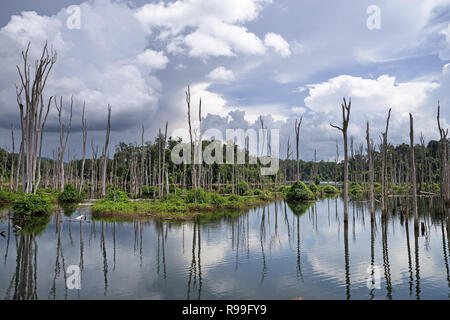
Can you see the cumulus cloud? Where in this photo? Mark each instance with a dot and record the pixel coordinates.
(209, 28)
(221, 74)
(371, 99)
(101, 63)
(277, 42)
(153, 59)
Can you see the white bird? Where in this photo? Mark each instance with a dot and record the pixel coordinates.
(80, 217)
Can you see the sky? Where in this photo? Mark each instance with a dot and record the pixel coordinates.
(281, 59)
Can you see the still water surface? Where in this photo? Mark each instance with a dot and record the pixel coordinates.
(273, 252)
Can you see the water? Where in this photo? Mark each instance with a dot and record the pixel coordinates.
(273, 252)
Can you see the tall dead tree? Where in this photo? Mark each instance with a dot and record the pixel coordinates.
(288, 154)
(84, 131)
(261, 177)
(93, 168)
(199, 154)
(384, 167)
(445, 175)
(413, 172)
(336, 163)
(11, 176)
(164, 163)
(142, 161)
(297, 140)
(64, 133)
(371, 173)
(105, 152)
(193, 173)
(33, 114)
(345, 120)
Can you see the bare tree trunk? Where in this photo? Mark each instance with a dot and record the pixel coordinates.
(445, 175)
(193, 173)
(413, 172)
(345, 121)
(164, 158)
(297, 140)
(371, 173)
(261, 177)
(142, 161)
(84, 130)
(63, 134)
(11, 177)
(32, 116)
(200, 146)
(383, 167)
(336, 164)
(105, 152)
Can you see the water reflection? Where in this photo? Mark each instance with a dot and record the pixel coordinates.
(278, 251)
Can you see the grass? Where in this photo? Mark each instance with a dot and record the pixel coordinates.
(175, 208)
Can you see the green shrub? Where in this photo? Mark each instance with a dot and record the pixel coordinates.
(242, 187)
(356, 190)
(299, 208)
(227, 189)
(316, 181)
(299, 192)
(117, 196)
(7, 197)
(313, 187)
(215, 199)
(148, 192)
(328, 189)
(233, 198)
(70, 194)
(32, 204)
(257, 192)
(197, 195)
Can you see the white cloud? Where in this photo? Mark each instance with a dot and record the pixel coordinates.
(102, 63)
(212, 26)
(221, 74)
(153, 59)
(444, 53)
(277, 42)
(298, 110)
(371, 99)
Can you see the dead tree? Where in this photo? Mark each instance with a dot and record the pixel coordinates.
(261, 177)
(345, 120)
(297, 140)
(371, 173)
(93, 168)
(11, 176)
(200, 146)
(164, 162)
(445, 177)
(288, 154)
(105, 152)
(33, 114)
(383, 167)
(193, 173)
(413, 172)
(63, 138)
(84, 131)
(336, 163)
(142, 161)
